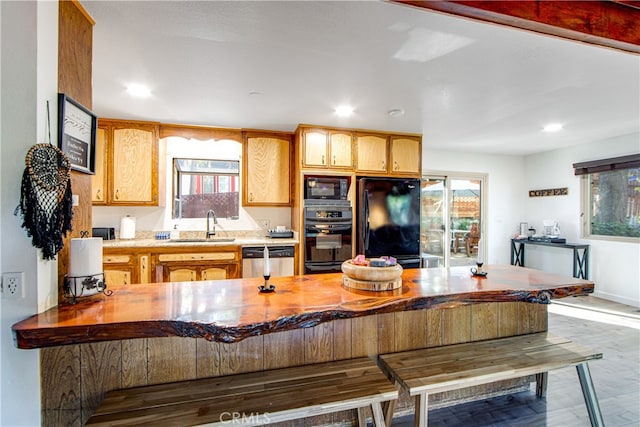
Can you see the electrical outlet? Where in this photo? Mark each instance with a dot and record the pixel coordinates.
(13, 285)
(263, 223)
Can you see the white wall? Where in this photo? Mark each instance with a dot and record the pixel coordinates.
(159, 218)
(614, 265)
(504, 193)
(29, 77)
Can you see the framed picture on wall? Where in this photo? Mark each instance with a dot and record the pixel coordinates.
(77, 134)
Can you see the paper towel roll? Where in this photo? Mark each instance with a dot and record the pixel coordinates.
(85, 259)
(128, 227)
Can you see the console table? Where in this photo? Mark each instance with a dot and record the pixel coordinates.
(580, 255)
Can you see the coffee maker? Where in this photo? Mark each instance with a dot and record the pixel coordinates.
(551, 228)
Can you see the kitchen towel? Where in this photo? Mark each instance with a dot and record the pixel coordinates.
(128, 227)
(85, 259)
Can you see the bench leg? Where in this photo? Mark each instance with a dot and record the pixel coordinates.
(362, 418)
(589, 393)
(422, 401)
(378, 418)
(541, 384)
(388, 408)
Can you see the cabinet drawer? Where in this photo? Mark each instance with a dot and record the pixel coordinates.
(211, 256)
(116, 259)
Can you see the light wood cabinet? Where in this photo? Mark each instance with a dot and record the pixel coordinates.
(134, 166)
(326, 148)
(314, 143)
(387, 154)
(194, 273)
(130, 167)
(340, 149)
(405, 155)
(371, 153)
(267, 169)
(121, 268)
(196, 264)
(125, 266)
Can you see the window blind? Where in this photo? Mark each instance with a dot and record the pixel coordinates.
(612, 164)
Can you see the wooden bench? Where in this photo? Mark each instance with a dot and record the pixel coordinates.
(433, 370)
(255, 398)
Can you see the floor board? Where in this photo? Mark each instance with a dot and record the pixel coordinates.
(610, 327)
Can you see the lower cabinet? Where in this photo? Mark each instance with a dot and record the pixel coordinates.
(124, 266)
(194, 266)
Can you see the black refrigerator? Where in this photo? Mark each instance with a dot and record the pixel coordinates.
(388, 219)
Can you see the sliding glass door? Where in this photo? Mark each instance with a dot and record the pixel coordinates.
(451, 220)
(433, 222)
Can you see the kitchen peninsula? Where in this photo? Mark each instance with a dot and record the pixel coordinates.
(165, 332)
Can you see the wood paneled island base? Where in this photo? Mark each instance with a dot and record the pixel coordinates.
(158, 333)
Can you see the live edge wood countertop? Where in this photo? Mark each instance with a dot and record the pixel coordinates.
(231, 310)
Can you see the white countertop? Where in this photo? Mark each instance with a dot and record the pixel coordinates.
(238, 241)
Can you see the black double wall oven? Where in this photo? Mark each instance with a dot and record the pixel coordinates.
(328, 224)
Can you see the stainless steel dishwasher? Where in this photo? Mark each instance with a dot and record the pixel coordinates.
(280, 261)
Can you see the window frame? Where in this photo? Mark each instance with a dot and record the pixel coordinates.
(177, 174)
(585, 170)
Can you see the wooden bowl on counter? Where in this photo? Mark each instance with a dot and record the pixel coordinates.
(371, 278)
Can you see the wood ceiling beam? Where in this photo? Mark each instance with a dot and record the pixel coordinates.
(613, 24)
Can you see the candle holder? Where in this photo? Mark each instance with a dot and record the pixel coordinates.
(477, 271)
(266, 288)
(77, 286)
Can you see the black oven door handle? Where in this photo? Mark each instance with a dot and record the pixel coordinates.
(328, 228)
(343, 227)
(365, 218)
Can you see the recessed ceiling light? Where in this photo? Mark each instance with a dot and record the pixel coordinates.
(553, 127)
(344, 111)
(136, 89)
(396, 112)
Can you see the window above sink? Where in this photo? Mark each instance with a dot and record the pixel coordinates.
(203, 184)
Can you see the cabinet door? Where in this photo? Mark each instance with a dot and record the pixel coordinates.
(315, 149)
(134, 170)
(372, 153)
(179, 274)
(98, 181)
(119, 269)
(405, 155)
(195, 265)
(267, 171)
(340, 149)
(116, 276)
(144, 273)
(214, 273)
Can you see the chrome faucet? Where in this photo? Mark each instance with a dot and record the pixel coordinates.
(211, 228)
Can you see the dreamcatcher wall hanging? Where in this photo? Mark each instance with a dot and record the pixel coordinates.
(46, 198)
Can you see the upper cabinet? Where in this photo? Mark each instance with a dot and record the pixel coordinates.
(405, 154)
(130, 165)
(371, 153)
(388, 154)
(267, 168)
(325, 148)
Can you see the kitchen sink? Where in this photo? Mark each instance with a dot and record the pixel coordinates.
(204, 240)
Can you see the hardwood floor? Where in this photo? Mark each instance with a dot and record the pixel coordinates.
(610, 327)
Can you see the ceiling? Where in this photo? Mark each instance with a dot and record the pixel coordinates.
(466, 86)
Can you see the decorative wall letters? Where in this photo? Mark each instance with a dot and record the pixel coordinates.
(549, 192)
